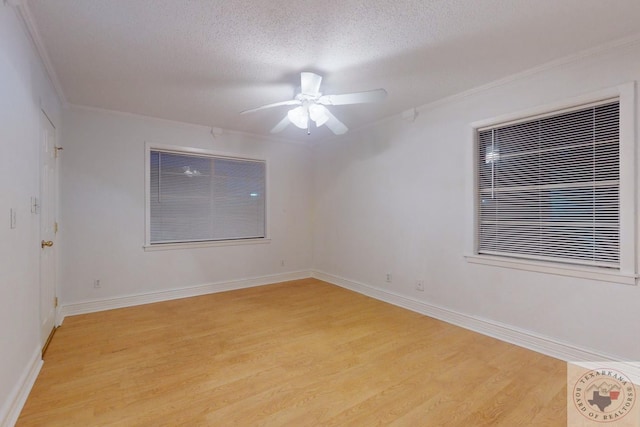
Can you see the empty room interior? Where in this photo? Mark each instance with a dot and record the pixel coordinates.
(406, 213)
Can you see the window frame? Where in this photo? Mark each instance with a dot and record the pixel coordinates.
(185, 150)
(627, 273)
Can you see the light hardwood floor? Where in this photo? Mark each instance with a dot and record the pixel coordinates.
(301, 353)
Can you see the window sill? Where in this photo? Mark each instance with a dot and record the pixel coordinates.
(195, 245)
(591, 273)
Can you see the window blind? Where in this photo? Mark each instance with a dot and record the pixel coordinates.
(548, 188)
(201, 198)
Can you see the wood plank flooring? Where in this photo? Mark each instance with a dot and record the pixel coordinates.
(301, 353)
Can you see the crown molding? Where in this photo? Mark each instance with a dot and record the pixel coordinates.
(213, 130)
(595, 51)
(24, 12)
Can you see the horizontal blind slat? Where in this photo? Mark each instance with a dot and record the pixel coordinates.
(549, 188)
(197, 198)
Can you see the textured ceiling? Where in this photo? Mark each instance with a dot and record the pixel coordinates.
(203, 62)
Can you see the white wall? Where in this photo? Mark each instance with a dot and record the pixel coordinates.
(103, 217)
(391, 198)
(23, 87)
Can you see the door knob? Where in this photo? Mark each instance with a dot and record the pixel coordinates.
(47, 243)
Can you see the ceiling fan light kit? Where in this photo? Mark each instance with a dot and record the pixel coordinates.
(318, 113)
(299, 116)
(311, 105)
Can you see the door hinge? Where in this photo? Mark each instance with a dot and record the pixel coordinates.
(55, 302)
(56, 151)
(55, 227)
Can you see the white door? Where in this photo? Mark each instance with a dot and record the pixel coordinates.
(47, 202)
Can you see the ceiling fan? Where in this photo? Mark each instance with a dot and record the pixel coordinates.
(311, 105)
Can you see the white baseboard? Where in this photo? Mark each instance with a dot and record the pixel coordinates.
(209, 288)
(11, 409)
(503, 332)
(13, 406)
(508, 333)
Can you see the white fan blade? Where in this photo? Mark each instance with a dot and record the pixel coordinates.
(280, 126)
(275, 104)
(310, 83)
(335, 125)
(354, 98)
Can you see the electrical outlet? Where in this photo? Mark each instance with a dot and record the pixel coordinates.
(388, 278)
(420, 285)
(97, 284)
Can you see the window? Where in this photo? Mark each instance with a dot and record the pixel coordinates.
(548, 188)
(553, 189)
(193, 196)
